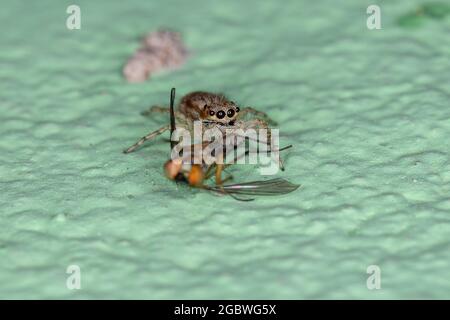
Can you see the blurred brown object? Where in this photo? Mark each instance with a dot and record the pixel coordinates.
(160, 50)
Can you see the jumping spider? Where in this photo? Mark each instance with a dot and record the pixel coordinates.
(214, 110)
(210, 108)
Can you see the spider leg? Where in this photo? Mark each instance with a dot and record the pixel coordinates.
(209, 172)
(261, 124)
(149, 136)
(258, 114)
(218, 174)
(228, 178)
(154, 109)
(258, 124)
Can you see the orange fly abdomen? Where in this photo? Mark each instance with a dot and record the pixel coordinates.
(195, 177)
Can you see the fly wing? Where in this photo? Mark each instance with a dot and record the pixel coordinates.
(271, 187)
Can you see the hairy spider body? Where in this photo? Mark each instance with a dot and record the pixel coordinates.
(214, 110)
(210, 108)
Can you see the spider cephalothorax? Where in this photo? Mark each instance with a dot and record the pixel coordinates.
(209, 107)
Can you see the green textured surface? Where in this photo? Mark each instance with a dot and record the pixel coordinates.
(366, 110)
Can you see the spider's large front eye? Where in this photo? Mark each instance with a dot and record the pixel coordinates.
(211, 113)
(230, 113)
(237, 109)
(221, 114)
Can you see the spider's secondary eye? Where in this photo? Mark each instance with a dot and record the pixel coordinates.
(237, 109)
(221, 114)
(211, 113)
(230, 113)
